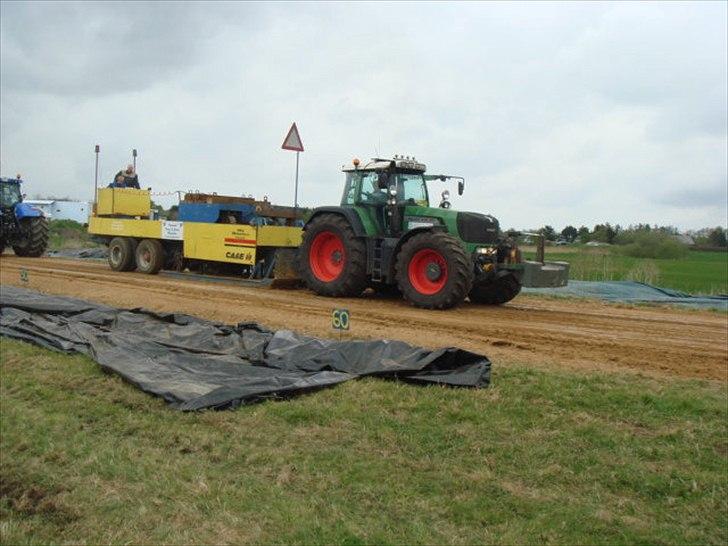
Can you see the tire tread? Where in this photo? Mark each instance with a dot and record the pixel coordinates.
(37, 242)
(354, 277)
(460, 270)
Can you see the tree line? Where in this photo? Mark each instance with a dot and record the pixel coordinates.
(606, 233)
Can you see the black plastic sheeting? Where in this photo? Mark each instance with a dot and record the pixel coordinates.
(633, 292)
(195, 364)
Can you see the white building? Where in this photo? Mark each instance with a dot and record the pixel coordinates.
(77, 211)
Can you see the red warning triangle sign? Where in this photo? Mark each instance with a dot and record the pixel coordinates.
(293, 140)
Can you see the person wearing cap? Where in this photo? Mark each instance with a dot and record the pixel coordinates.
(126, 178)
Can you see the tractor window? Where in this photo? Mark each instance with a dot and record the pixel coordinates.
(352, 180)
(363, 188)
(371, 193)
(412, 190)
(9, 194)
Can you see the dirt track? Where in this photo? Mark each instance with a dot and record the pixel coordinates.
(530, 329)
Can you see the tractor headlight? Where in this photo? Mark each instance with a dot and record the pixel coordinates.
(445, 195)
(486, 250)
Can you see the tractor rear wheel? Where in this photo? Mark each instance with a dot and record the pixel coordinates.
(332, 260)
(497, 292)
(35, 237)
(149, 256)
(121, 254)
(433, 270)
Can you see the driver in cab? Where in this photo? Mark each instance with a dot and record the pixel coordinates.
(379, 194)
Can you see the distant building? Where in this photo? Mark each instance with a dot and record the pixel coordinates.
(685, 239)
(57, 209)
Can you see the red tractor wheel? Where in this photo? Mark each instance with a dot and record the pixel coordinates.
(332, 259)
(327, 257)
(427, 271)
(433, 270)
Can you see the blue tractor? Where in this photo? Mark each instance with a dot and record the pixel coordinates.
(22, 226)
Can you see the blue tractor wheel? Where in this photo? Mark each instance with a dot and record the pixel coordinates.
(34, 241)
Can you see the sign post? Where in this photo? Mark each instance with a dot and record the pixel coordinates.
(293, 143)
(97, 149)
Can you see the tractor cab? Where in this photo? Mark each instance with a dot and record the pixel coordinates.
(400, 181)
(10, 192)
(389, 191)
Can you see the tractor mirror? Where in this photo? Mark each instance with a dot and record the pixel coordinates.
(461, 186)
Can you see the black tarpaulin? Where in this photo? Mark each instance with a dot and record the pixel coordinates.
(195, 364)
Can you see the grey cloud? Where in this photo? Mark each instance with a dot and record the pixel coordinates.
(91, 49)
(581, 112)
(715, 196)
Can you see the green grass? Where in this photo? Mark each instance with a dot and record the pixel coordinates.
(548, 457)
(67, 234)
(700, 272)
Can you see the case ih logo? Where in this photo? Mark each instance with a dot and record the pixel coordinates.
(245, 256)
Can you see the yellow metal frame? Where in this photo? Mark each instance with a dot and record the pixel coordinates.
(124, 202)
(125, 227)
(228, 243)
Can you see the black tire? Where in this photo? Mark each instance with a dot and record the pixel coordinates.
(174, 259)
(121, 254)
(496, 292)
(387, 290)
(149, 256)
(434, 271)
(35, 233)
(332, 260)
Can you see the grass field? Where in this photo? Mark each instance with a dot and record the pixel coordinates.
(699, 273)
(67, 234)
(541, 456)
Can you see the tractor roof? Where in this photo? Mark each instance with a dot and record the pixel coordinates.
(378, 164)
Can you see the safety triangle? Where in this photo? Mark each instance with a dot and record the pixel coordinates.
(293, 140)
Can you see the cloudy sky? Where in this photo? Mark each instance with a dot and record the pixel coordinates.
(554, 113)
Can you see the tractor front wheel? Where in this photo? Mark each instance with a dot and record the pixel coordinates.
(35, 237)
(332, 260)
(433, 270)
(497, 292)
(121, 254)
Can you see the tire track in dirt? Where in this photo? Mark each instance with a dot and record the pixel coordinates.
(534, 330)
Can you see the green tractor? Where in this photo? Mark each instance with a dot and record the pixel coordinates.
(385, 235)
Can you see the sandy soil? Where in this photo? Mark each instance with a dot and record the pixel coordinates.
(531, 329)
